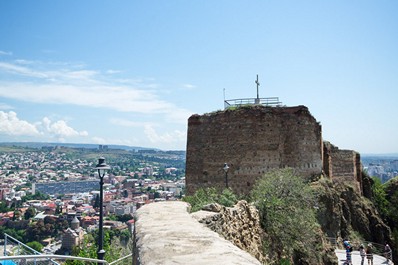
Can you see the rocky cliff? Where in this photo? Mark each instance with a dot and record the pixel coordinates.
(241, 225)
(344, 213)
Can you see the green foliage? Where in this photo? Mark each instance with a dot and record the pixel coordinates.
(37, 196)
(124, 218)
(15, 233)
(379, 197)
(89, 249)
(286, 207)
(35, 245)
(29, 213)
(3, 207)
(227, 198)
(210, 195)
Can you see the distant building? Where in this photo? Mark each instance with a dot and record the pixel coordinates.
(65, 187)
(73, 236)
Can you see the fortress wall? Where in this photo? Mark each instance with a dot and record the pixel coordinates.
(252, 140)
(343, 166)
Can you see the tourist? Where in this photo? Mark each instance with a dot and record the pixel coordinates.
(362, 253)
(369, 254)
(387, 252)
(348, 250)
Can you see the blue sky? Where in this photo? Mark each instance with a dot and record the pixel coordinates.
(132, 72)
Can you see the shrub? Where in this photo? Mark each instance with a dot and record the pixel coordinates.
(286, 206)
(210, 195)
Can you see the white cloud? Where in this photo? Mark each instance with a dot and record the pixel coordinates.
(127, 123)
(98, 140)
(10, 124)
(5, 106)
(188, 86)
(61, 129)
(166, 138)
(5, 53)
(111, 72)
(63, 84)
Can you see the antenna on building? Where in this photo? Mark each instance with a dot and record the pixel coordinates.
(257, 101)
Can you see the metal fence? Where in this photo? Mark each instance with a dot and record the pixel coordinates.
(273, 101)
(17, 253)
(377, 249)
(59, 259)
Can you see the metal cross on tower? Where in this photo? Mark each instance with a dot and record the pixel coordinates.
(258, 84)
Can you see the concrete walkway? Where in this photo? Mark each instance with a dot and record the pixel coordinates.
(356, 258)
(167, 234)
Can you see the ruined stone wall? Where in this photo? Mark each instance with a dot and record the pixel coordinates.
(343, 166)
(252, 140)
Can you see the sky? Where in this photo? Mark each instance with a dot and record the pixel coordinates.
(132, 72)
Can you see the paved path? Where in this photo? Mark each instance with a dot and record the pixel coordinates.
(356, 258)
(167, 234)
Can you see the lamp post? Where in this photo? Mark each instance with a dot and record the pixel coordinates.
(101, 167)
(226, 167)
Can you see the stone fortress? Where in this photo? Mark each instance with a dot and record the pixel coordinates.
(254, 136)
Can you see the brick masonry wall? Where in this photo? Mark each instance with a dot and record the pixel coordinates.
(343, 166)
(252, 140)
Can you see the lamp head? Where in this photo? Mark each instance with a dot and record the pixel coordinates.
(102, 166)
(226, 167)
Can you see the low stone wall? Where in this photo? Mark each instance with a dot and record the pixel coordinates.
(165, 233)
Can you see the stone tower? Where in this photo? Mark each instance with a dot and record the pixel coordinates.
(252, 140)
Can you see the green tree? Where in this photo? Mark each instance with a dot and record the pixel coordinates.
(124, 218)
(35, 245)
(3, 207)
(29, 213)
(285, 204)
(379, 197)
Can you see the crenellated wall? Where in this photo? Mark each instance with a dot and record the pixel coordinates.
(255, 139)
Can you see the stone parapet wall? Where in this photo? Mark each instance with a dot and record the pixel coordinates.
(165, 233)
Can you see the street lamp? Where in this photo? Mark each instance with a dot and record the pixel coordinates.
(101, 167)
(226, 167)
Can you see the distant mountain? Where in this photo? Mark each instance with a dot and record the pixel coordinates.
(72, 145)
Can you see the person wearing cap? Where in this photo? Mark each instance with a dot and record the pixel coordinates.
(369, 254)
(348, 250)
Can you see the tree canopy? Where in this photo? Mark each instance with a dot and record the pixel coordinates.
(286, 206)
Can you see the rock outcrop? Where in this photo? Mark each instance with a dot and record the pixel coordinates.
(342, 211)
(239, 224)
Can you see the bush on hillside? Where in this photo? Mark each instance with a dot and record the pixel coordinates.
(286, 206)
(206, 196)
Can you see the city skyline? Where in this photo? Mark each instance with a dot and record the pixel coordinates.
(131, 73)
